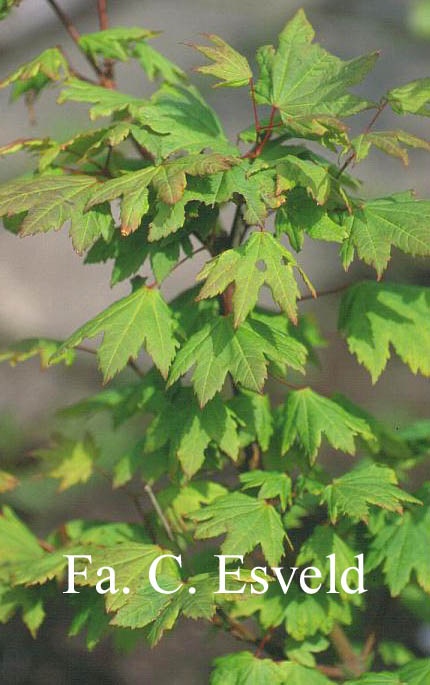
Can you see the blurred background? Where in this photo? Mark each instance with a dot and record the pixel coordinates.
(46, 291)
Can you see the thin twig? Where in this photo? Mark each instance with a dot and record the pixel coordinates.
(181, 261)
(149, 491)
(131, 363)
(72, 69)
(108, 63)
(73, 33)
(254, 109)
(266, 638)
(323, 293)
(292, 386)
(367, 130)
(331, 671)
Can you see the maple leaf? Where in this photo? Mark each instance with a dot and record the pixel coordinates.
(416, 672)
(50, 201)
(218, 348)
(156, 65)
(244, 667)
(301, 214)
(50, 65)
(184, 120)
(388, 142)
(189, 429)
(254, 416)
(308, 84)
(323, 542)
(169, 180)
(105, 101)
(115, 43)
(240, 265)
(71, 461)
(247, 522)
(307, 415)
(398, 220)
(375, 316)
(142, 318)
(368, 484)
(229, 66)
(272, 484)
(412, 98)
(401, 546)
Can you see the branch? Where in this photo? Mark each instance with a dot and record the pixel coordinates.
(351, 660)
(74, 34)
(149, 491)
(108, 63)
(254, 109)
(131, 363)
(322, 293)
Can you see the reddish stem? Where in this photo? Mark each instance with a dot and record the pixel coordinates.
(108, 75)
(254, 106)
(73, 33)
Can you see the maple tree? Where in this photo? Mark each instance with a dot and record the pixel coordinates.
(216, 457)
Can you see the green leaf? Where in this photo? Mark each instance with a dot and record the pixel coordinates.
(90, 614)
(71, 461)
(177, 501)
(304, 615)
(105, 101)
(416, 672)
(394, 653)
(229, 66)
(27, 601)
(306, 173)
(323, 542)
(243, 668)
(375, 316)
(142, 318)
(160, 612)
(169, 180)
(241, 266)
(401, 546)
(307, 415)
(412, 98)
(131, 562)
(247, 522)
(116, 43)
(272, 484)
(51, 201)
(369, 484)
(296, 674)
(399, 220)
(306, 82)
(31, 347)
(17, 542)
(303, 652)
(388, 142)
(184, 120)
(218, 348)
(254, 416)
(189, 429)
(50, 65)
(301, 214)
(156, 65)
